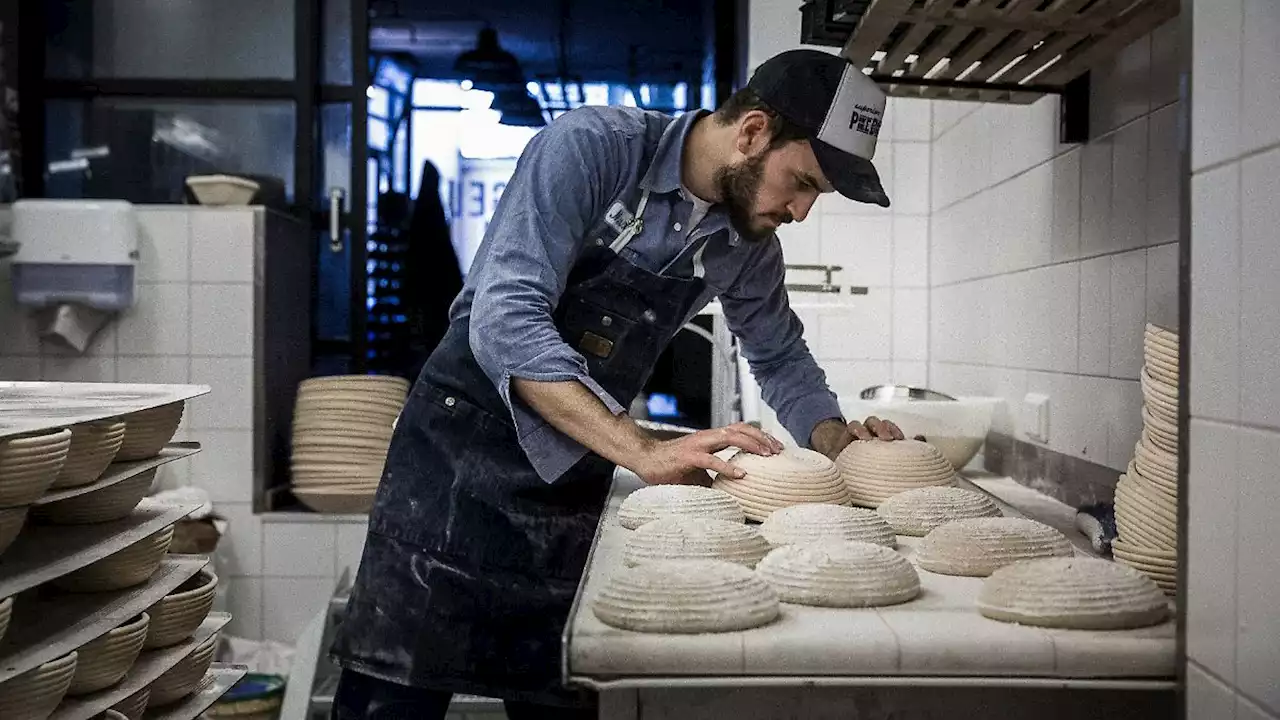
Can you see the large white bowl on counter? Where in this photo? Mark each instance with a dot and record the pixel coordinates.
(956, 427)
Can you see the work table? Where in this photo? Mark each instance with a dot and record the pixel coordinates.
(938, 639)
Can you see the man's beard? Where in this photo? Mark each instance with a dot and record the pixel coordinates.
(738, 186)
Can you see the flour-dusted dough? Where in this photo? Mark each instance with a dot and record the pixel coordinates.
(686, 596)
(977, 546)
(792, 477)
(695, 538)
(840, 574)
(1077, 593)
(916, 512)
(812, 523)
(655, 501)
(876, 470)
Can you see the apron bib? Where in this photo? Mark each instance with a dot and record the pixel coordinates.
(472, 560)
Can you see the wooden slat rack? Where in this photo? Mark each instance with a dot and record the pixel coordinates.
(1007, 51)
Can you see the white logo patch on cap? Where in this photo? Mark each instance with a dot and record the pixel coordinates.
(853, 120)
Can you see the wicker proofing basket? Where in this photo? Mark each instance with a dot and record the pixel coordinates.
(29, 465)
(105, 661)
(135, 705)
(177, 615)
(6, 612)
(131, 566)
(34, 694)
(181, 679)
(11, 521)
(149, 430)
(109, 503)
(93, 447)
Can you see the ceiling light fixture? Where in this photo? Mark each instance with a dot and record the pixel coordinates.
(489, 67)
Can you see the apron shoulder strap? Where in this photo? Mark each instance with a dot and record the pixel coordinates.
(639, 199)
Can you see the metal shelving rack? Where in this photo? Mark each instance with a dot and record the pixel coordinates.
(46, 624)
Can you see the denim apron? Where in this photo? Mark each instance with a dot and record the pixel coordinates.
(472, 560)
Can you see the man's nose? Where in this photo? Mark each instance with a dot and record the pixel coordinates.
(800, 207)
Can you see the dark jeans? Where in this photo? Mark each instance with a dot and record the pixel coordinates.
(361, 697)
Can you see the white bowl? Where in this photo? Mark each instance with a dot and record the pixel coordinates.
(222, 189)
(957, 428)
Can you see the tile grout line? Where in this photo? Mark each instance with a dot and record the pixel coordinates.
(1237, 159)
(1239, 354)
(897, 641)
(1233, 688)
(1228, 423)
(1058, 152)
(986, 366)
(1056, 263)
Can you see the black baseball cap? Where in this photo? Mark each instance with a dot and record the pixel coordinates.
(841, 108)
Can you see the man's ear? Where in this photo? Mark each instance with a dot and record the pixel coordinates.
(753, 132)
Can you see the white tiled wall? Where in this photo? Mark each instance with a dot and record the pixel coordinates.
(1046, 260)
(882, 336)
(1232, 620)
(193, 322)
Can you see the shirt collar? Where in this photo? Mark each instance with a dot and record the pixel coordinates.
(663, 175)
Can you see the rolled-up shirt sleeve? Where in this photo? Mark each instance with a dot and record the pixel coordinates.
(561, 182)
(756, 310)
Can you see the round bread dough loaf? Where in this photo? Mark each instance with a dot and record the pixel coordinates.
(876, 470)
(655, 501)
(812, 523)
(1077, 593)
(977, 546)
(794, 476)
(840, 574)
(686, 596)
(695, 538)
(916, 512)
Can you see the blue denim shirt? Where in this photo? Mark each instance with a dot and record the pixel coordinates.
(568, 176)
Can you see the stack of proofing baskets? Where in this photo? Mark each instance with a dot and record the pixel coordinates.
(341, 431)
(79, 477)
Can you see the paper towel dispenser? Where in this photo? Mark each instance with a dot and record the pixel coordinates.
(75, 252)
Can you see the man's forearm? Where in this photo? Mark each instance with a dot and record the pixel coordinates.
(574, 410)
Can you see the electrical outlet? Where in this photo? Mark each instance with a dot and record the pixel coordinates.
(1035, 417)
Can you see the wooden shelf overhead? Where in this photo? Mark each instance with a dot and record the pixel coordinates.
(1009, 51)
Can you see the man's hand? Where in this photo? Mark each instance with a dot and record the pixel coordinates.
(685, 460)
(832, 436)
(574, 410)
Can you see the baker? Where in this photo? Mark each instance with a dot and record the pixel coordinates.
(617, 227)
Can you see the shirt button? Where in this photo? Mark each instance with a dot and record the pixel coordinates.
(676, 227)
(650, 315)
(606, 321)
(450, 401)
